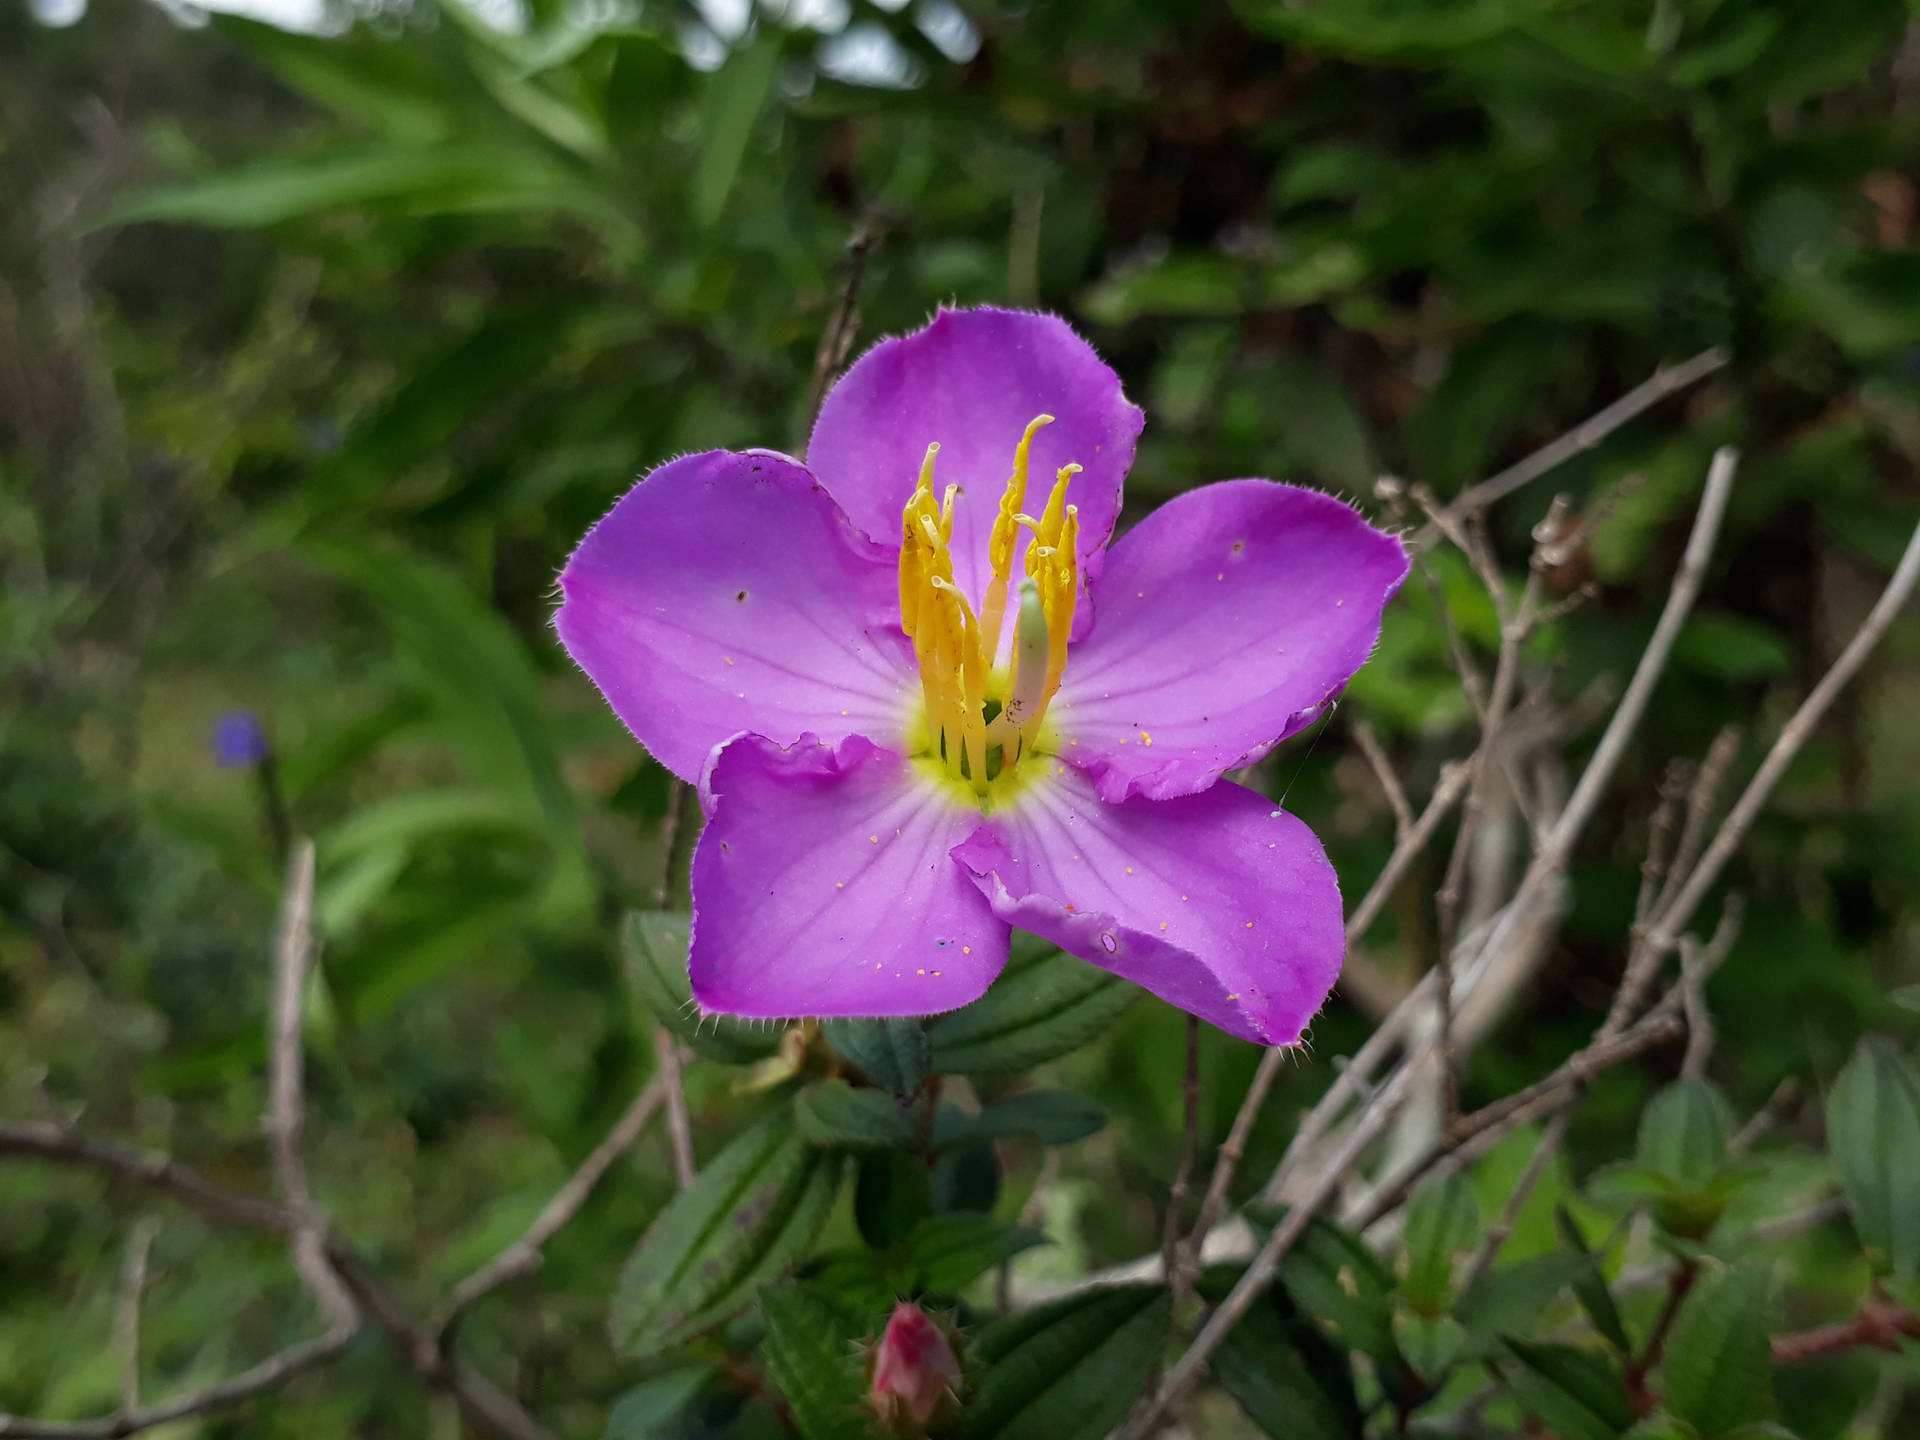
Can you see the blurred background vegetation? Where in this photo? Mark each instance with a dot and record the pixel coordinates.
(319, 351)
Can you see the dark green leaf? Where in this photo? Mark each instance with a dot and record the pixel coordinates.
(1510, 1299)
(812, 1357)
(1055, 1117)
(1684, 1132)
(1429, 1343)
(653, 1405)
(757, 1203)
(1873, 1127)
(892, 1193)
(1288, 1379)
(1332, 1276)
(654, 943)
(891, 1053)
(735, 96)
(832, 1112)
(1590, 1286)
(1718, 1361)
(1443, 1219)
(1039, 1009)
(1580, 1394)
(946, 1253)
(1068, 1370)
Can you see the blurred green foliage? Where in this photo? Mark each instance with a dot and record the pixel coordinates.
(318, 352)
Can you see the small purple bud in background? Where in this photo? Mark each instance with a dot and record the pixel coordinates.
(239, 741)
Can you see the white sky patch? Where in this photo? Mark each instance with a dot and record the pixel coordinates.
(829, 17)
(704, 50)
(867, 55)
(946, 25)
(56, 14)
(726, 18)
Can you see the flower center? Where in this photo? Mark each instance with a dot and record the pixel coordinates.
(983, 716)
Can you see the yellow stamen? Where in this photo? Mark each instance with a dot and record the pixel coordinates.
(1006, 531)
(956, 650)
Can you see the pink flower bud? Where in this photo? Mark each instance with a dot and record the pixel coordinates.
(914, 1368)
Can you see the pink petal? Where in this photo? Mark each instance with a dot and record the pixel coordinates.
(823, 885)
(726, 593)
(1229, 617)
(1220, 903)
(971, 380)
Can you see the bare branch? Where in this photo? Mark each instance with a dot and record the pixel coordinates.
(286, 1105)
(523, 1254)
(679, 1128)
(1376, 756)
(1170, 1247)
(837, 340)
(1665, 381)
(1792, 736)
(133, 1285)
(147, 1167)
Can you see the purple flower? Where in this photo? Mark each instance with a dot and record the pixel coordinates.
(239, 742)
(924, 702)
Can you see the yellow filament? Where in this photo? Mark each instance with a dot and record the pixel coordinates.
(956, 649)
(1006, 531)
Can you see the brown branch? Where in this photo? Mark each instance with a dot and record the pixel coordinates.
(1171, 1251)
(1793, 735)
(1879, 1325)
(523, 1255)
(838, 337)
(679, 1126)
(1376, 756)
(133, 1286)
(152, 1168)
(1667, 380)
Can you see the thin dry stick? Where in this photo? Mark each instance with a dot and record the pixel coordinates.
(1376, 756)
(1185, 1371)
(147, 1167)
(1766, 1117)
(1701, 799)
(1700, 1032)
(286, 1112)
(679, 1128)
(1653, 869)
(1557, 846)
(1170, 1249)
(1590, 432)
(1453, 782)
(838, 338)
(1793, 735)
(133, 1285)
(523, 1254)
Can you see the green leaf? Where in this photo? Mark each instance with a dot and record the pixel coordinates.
(1068, 1370)
(1040, 1008)
(651, 1407)
(813, 1358)
(1873, 1127)
(1443, 1219)
(1718, 1361)
(758, 1203)
(1332, 1275)
(892, 1193)
(1662, 1426)
(832, 1112)
(1684, 1132)
(1580, 1394)
(1054, 1117)
(891, 1053)
(946, 1253)
(395, 85)
(654, 943)
(1288, 1378)
(735, 95)
(1430, 1343)
(1590, 1286)
(1510, 1299)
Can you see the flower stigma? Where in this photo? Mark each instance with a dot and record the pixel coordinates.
(983, 715)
